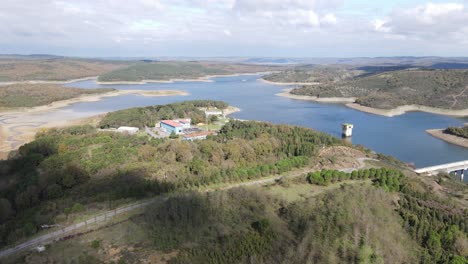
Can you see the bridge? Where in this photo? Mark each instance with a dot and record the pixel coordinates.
(460, 168)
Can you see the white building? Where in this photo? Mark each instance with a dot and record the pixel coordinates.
(129, 130)
(176, 125)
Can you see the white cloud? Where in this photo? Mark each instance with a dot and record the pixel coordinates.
(430, 21)
(200, 27)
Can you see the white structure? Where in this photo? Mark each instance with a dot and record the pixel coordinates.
(40, 248)
(347, 130)
(197, 135)
(129, 130)
(460, 168)
(177, 125)
(216, 112)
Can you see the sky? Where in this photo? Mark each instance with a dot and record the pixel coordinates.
(222, 28)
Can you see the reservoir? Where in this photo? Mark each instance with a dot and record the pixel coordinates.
(403, 136)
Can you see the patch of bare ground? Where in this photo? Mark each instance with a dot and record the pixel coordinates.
(338, 157)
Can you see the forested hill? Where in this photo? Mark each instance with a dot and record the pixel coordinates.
(30, 95)
(148, 116)
(80, 166)
(446, 89)
(168, 70)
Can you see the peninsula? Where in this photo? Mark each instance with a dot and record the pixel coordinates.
(393, 93)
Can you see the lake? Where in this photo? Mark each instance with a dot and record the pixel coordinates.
(403, 136)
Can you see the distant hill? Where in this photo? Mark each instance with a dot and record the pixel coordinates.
(179, 70)
(52, 68)
(446, 89)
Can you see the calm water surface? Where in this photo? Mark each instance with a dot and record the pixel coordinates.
(402, 136)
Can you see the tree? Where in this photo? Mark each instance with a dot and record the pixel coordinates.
(173, 135)
(5, 210)
(213, 119)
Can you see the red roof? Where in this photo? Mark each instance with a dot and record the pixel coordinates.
(171, 123)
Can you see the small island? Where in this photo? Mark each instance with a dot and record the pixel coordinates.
(454, 135)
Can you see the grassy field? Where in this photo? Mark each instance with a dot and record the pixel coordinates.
(62, 69)
(178, 70)
(446, 89)
(30, 95)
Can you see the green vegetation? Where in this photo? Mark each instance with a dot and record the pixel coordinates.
(29, 95)
(54, 69)
(177, 70)
(457, 131)
(246, 226)
(439, 226)
(312, 74)
(141, 116)
(435, 88)
(45, 179)
(388, 179)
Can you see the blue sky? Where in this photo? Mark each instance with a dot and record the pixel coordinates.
(274, 28)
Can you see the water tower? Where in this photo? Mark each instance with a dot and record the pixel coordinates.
(347, 130)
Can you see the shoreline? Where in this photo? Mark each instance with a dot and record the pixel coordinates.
(231, 110)
(50, 81)
(19, 133)
(206, 78)
(19, 126)
(288, 83)
(400, 110)
(91, 98)
(341, 100)
(452, 139)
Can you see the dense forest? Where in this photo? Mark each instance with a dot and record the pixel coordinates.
(148, 116)
(434, 88)
(457, 131)
(64, 170)
(29, 95)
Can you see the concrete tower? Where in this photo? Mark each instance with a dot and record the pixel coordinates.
(347, 130)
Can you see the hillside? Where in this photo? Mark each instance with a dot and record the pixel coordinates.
(308, 212)
(313, 74)
(30, 95)
(53, 69)
(447, 89)
(81, 165)
(165, 71)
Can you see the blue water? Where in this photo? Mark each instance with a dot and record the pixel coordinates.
(403, 137)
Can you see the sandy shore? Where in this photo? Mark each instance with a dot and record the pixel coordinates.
(408, 108)
(350, 102)
(206, 78)
(53, 82)
(288, 83)
(92, 98)
(438, 133)
(231, 110)
(285, 93)
(18, 126)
